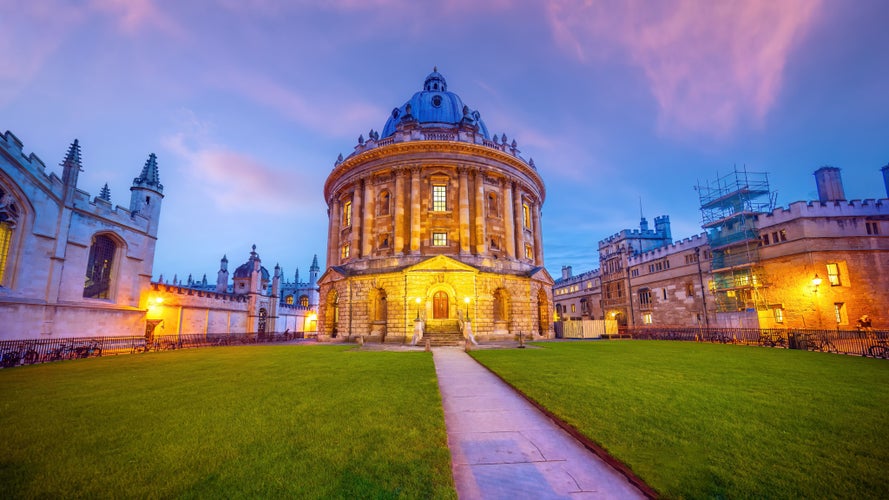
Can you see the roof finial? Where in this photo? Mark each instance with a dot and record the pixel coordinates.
(149, 175)
(435, 68)
(105, 193)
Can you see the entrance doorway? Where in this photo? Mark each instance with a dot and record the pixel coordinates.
(440, 305)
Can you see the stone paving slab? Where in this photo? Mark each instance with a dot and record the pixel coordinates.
(503, 447)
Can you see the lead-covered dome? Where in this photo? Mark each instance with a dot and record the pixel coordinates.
(434, 106)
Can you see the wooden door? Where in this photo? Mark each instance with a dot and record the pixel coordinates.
(440, 305)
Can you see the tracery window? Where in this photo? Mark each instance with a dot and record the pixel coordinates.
(304, 300)
(9, 215)
(288, 300)
(99, 267)
(439, 198)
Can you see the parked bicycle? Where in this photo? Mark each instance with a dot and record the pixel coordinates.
(811, 342)
(880, 349)
(769, 339)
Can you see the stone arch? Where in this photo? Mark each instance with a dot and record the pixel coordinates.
(451, 299)
(331, 313)
(15, 215)
(102, 267)
(500, 311)
(543, 314)
(379, 313)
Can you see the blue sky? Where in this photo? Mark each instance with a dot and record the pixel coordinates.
(247, 104)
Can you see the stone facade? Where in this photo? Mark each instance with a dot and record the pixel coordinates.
(71, 265)
(434, 210)
(843, 246)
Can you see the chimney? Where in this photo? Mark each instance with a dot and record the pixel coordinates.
(566, 272)
(886, 178)
(830, 184)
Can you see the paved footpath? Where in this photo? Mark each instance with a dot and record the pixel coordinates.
(504, 447)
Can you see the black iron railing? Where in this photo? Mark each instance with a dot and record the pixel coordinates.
(873, 343)
(31, 351)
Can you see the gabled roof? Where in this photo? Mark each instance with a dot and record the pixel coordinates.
(440, 263)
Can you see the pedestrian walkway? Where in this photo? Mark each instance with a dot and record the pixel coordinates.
(504, 447)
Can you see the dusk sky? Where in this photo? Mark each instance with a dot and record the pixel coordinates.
(247, 104)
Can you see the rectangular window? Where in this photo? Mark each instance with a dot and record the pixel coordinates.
(526, 214)
(872, 228)
(646, 318)
(664, 290)
(573, 309)
(783, 234)
(833, 274)
(439, 198)
(347, 214)
(645, 297)
(345, 251)
(689, 290)
(439, 239)
(529, 252)
(765, 239)
(839, 310)
(779, 315)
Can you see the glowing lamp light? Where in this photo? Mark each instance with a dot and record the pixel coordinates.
(816, 280)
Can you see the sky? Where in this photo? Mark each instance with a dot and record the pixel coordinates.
(621, 104)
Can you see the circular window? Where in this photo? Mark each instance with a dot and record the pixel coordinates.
(436, 101)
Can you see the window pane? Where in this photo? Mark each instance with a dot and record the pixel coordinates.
(439, 239)
(98, 268)
(439, 198)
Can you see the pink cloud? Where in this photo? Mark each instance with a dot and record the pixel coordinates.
(710, 65)
(134, 16)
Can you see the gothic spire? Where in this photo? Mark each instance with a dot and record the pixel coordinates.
(105, 193)
(72, 165)
(314, 264)
(149, 176)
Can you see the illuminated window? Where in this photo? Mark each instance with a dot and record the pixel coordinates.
(5, 240)
(288, 300)
(439, 239)
(833, 274)
(347, 214)
(439, 198)
(839, 310)
(573, 308)
(526, 215)
(783, 235)
(345, 251)
(304, 300)
(529, 252)
(99, 267)
(646, 318)
(779, 315)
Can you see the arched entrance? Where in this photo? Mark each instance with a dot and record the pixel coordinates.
(440, 305)
(543, 318)
(263, 318)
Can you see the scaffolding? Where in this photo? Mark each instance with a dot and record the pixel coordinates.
(729, 209)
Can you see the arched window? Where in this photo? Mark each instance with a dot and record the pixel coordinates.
(99, 267)
(304, 300)
(384, 203)
(288, 300)
(9, 215)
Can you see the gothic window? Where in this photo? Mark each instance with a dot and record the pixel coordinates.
(288, 300)
(99, 267)
(526, 215)
(304, 300)
(384, 203)
(645, 297)
(9, 215)
(439, 198)
(347, 214)
(263, 318)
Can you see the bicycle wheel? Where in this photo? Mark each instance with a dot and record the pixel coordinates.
(878, 351)
(829, 346)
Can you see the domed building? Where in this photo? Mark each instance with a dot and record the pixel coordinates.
(434, 220)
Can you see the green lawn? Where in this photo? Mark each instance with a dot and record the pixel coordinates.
(254, 421)
(717, 421)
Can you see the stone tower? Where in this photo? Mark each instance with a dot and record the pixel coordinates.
(147, 193)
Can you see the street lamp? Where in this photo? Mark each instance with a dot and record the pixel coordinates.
(418, 309)
(466, 300)
(816, 281)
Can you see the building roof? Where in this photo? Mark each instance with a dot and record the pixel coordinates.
(435, 106)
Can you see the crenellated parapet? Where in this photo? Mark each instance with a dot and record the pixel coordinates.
(684, 245)
(808, 209)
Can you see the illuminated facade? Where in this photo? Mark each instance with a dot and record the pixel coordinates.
(817, 264)
(71, 265)
(434, 219)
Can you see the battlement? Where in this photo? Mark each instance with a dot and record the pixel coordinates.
(577, 278)
(13, 146)
(196, 292)
(696, 241)
(852, 208)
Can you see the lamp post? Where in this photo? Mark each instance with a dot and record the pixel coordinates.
(418, 309)
(816, 282)
(466, 301)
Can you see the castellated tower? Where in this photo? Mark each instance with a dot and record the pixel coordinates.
(147, 193)
(830, 184)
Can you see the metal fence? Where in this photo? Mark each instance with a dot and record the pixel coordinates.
(31, 351)
(866, 342)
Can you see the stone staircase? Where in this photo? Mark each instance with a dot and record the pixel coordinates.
(443, 332)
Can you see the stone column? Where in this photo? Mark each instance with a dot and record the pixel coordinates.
(367, 216)
(519, 221)
(415, 210)
(400, 204)
(508, 217)
(538, 234)
(355, 242)
(480, 238)
(334, 241)
(464, 209)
